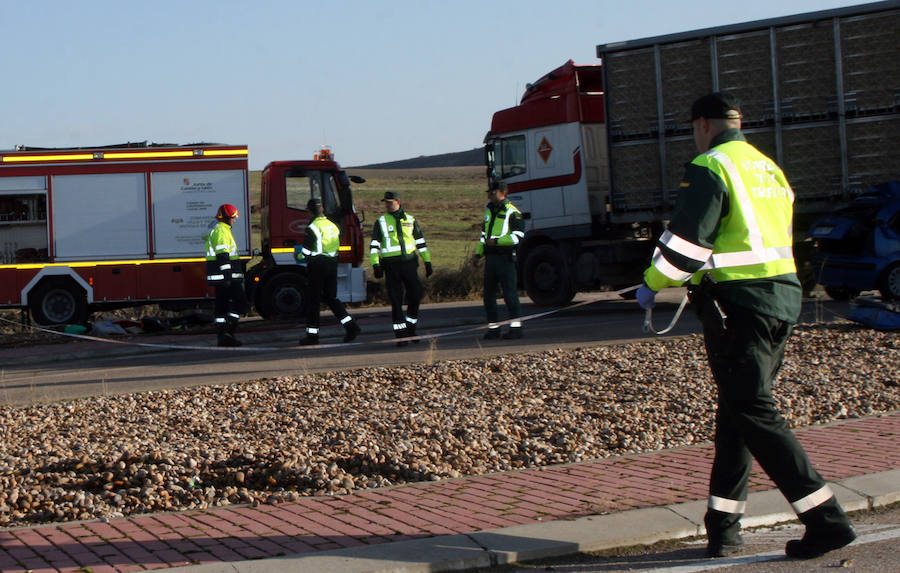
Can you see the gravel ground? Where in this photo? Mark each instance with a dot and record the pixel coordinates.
(273, 440)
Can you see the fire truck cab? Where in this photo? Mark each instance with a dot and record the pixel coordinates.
(276, 283)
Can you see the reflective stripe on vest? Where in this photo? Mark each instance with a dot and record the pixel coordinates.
(742, 223)
(390, 241)
(328, 238)
(220, 240)
(489, 232)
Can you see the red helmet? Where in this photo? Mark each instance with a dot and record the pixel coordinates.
(227, 211)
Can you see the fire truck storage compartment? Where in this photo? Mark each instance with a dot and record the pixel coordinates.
(184, 204)
(102, 216)
(23, 220)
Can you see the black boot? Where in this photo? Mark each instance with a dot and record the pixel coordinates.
(225, 338)
(401, 334)
(813, 545)
(411, 331)
(513, 333)
(352, 330)
(827, 529)
(230, 328)
(723, 533)
(720, 548)
(492, 334)
(311, 338)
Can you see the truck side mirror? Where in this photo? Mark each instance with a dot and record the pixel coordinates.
(357, 179)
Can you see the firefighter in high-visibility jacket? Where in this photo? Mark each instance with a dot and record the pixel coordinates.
(500, 235)
(225, 271)
(320, 251)
(731, 238)
(396, 239)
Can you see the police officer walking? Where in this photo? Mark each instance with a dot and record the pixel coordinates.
(320, 250)
(395, 240)
(731, 236)
(224, 270)
(503, 229)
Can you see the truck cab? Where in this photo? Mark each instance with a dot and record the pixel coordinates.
(551, 151)
(277, 281)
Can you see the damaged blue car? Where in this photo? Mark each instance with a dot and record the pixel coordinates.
(858, 246)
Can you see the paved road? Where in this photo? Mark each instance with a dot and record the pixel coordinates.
(81, 368)
(874, 550)
(94, 368)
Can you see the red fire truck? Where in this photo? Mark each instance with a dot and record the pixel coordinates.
(88, 228)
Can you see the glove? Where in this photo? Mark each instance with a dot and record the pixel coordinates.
(645, 297)
(475, 260)
(379, 272)
(428, 269)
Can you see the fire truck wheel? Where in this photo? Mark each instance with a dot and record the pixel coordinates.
(547, 279)
(282, 297)
(889, 284)
(58, 301)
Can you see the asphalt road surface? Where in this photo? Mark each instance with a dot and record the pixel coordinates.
(102, 369)
(875, 549)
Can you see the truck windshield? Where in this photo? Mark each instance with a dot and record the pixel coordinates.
(331, 199)
(299, 188)
(507, 158)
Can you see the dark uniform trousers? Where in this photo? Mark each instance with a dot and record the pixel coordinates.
(231, 300)
(500, 270)
(321, 286)
(745, 352)
(400, 275)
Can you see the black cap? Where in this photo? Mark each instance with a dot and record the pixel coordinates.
(391, 196)
(717, 105)
(314, 204)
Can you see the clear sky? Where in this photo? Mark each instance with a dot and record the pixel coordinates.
(377, 80)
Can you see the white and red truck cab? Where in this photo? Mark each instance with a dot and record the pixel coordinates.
(105, 227)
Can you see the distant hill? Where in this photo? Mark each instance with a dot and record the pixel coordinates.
(458, 159)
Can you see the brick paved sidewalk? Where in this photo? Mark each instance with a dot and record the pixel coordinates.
(465, 505)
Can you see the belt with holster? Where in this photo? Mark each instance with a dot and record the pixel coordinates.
(704, 298)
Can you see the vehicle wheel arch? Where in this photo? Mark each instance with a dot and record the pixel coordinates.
(545, 271)
(280, 294)
(889, 281)
(58, 298)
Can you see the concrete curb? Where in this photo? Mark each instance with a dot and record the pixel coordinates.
(556, 538)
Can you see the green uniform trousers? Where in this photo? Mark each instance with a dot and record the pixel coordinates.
(500, 270)
(746, 351)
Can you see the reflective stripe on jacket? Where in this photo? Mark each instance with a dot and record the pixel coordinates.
(386, 239)
(323, 238)
(737, 225)
(222, 259)
(504, 223)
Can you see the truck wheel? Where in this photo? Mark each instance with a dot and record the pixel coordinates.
(547, 280)
(58, 301)
(841, 293)
(282, 297)
(889, 283)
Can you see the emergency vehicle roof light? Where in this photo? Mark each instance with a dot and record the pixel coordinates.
(324, 154)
